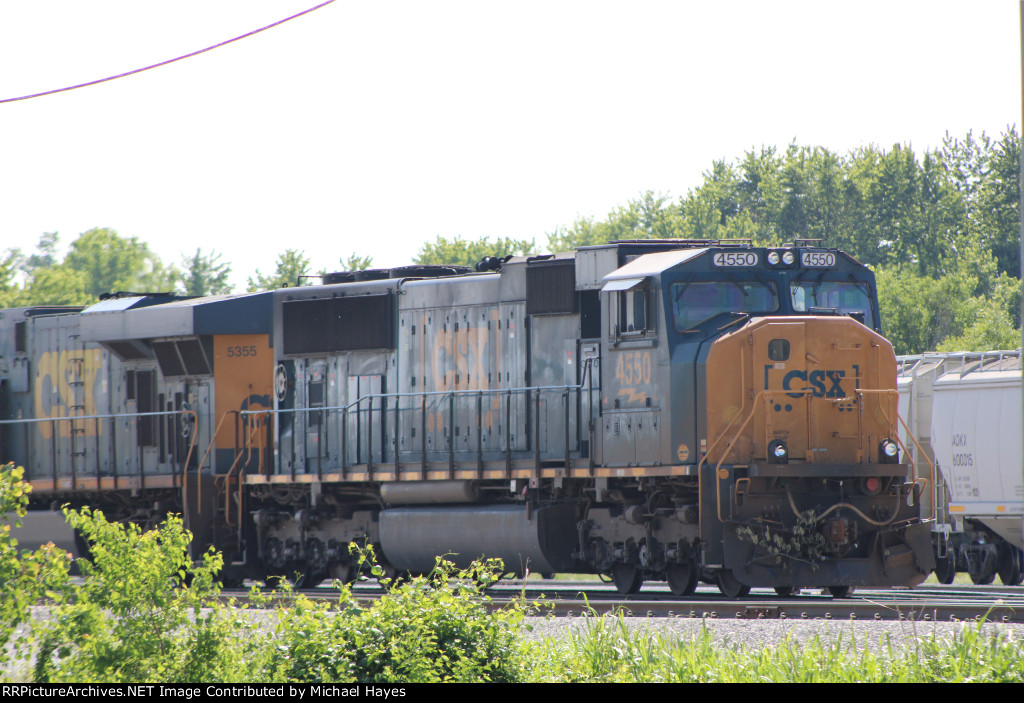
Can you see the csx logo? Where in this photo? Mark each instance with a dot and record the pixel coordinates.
(821, 383)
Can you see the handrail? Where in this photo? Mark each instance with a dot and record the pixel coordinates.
(32, 420)
(931, 465)
(209, 448)
(188, 456)
(473, 392)
(54, 423)
(909, 362)
(765, 394)
(713, 445)
(234, 465)
(478, 394)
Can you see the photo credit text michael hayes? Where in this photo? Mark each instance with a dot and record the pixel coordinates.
(285, 692)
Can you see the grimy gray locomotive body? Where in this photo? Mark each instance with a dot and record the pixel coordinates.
(649, 410)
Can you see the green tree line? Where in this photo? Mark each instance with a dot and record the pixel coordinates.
(939, 228)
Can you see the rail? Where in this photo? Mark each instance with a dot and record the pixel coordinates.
(378, 418)
(764, 398)
(224, 481)
(185, 424)
(969, 362)
(931, 465)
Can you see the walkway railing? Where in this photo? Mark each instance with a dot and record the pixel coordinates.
(381, 417)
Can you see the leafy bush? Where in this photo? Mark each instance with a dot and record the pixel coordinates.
(25, 577)
(144, 611)
(429, 629)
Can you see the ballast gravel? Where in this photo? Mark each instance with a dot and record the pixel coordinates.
(873, 635)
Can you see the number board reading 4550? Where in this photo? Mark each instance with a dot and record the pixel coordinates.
(742, 259)
(818, 259)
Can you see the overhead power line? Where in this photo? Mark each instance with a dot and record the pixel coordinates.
(169, 61)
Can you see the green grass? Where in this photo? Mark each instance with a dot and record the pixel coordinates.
(962, 579)
(145, 613)
(607, 650)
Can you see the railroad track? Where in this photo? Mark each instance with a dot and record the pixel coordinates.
(569, 599)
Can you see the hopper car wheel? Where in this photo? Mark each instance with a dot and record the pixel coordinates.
(786, 591)
(344, 572)
(628, 578)
(839, 591)
(395, 575)
(945, 570)
(1010, 571)
(729, 586)
(682, 579)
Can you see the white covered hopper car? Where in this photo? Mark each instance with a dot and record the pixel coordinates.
(964, 410)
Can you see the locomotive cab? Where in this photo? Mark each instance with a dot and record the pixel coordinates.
(755, 377)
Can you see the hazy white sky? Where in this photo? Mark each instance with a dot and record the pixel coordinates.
(370, 128)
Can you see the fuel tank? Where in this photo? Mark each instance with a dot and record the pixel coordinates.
(538, 540)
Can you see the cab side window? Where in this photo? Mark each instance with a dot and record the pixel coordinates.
(635, 317)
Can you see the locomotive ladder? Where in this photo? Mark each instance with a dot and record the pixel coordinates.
(76, 412)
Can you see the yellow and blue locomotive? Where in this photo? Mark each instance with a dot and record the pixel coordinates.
(650, 410)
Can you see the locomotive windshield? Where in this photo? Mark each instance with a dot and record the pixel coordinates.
(693, 303)
(845, 297)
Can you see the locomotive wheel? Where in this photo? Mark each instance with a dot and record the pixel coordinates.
(981, 578)
(309, 579)
(839, 591)
(232, 576)
(627, 578)
(682, 579)
(276, 579)
(1010, 572)
(729, 586)
(945, 570)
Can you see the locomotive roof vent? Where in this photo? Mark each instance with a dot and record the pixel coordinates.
(413, 271)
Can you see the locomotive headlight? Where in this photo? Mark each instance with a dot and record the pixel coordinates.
(777, 452)
(888, 451)
(780, 258)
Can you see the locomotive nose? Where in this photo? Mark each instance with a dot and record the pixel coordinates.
(807, 389)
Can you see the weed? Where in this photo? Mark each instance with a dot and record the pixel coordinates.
(434, 628)
(143, 612)
(26, 577)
